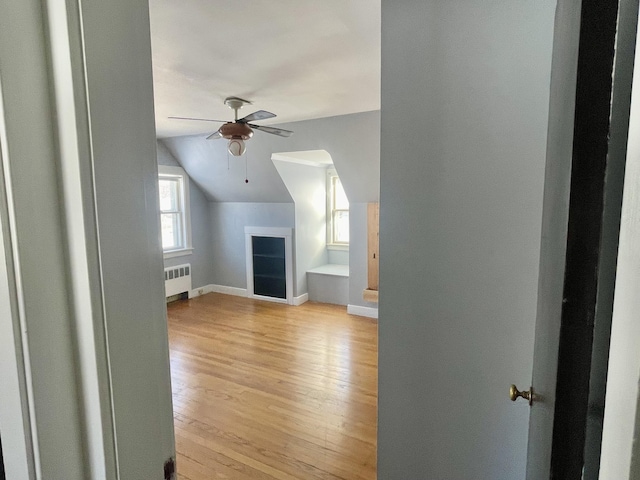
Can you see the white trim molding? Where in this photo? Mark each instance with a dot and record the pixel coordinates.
(269, 231)
(183, 252)
(362, 311)
(312, 158)
(332, 176)
(238, 292)
(278, 232)
(338, 246)
(297, 301)
(175, 172)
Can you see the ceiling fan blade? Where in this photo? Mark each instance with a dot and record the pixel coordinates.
(275, 131)
(259, 115)
(199, 119)
(215, 135)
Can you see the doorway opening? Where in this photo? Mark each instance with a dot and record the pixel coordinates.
(276, 387)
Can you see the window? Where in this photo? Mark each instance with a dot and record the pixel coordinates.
(337, 212)
(175, 224)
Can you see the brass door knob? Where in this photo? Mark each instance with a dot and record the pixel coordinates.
(514, 393)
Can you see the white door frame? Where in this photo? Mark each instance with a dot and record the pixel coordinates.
(73, 324)
(15, 422)
(58, 366)
(277, 232)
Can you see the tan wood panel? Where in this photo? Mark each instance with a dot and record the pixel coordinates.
(373, 221)
(269, 391)
(370, 295)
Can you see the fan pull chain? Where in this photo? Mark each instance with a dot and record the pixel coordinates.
(228, 164)
(246, 169)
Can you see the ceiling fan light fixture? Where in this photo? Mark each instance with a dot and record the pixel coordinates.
(236, 130)
(236, 147)
(240, 129)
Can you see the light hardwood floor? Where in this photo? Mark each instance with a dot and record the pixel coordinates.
(269, 391)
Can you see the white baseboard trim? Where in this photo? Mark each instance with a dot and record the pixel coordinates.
(301, 299)
(196, 292)
(239, 292)
(362, 311)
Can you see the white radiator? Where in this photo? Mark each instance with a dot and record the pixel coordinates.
(177, 279)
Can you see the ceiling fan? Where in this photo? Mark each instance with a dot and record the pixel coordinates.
(240, 129)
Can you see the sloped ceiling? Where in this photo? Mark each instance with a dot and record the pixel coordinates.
(300, 59)
(352, 141)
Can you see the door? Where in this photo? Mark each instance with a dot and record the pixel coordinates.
(588, 126)
(464, 121)
(452, 267)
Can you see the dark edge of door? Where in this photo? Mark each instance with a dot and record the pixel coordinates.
(614, 181)
(589, 170)
(2, 473)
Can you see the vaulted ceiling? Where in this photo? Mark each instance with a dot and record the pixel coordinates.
(300, 59)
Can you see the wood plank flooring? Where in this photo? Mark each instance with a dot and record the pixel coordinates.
(269, 391)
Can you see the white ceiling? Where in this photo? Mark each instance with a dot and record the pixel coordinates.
(300, 59)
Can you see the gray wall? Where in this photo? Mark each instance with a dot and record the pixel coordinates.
(465, 95)
(308, 188)
(227, 226)
(201, 258)
(341, 257)
(165, 157)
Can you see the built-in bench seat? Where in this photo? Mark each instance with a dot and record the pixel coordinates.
(329, 284)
